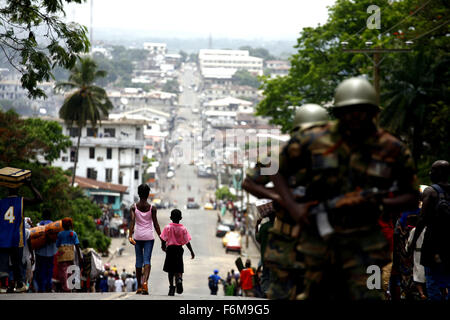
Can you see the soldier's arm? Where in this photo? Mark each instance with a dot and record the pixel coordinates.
(260, 191)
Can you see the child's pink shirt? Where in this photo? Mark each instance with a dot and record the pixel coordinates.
(175, 234)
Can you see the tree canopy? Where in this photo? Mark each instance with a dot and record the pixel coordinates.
(414, 85)
(34, 39)
(21, 140)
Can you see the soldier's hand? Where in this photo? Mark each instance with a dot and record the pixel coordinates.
(301, 213)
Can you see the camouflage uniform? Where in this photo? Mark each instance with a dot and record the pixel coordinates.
(336, 267)
(283, 258)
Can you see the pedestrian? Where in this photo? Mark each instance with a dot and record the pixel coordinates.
(118, 284)
(28, 259)
(124, 275)
(88, 277)
(111, 281)
(103, 282)
(44, 258)
(246, 279)
(141, 235)
(174, 237)
(419, 270)
(68, 244)
(129, 282)
(135, 284)
(435, 216)
(213, 282)
(351, 166)
(12, 235)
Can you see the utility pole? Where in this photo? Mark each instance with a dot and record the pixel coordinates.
(377, 60)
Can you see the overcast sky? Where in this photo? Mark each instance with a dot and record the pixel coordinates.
(274, 19)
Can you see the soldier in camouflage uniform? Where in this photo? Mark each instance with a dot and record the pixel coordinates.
(342, 158)
(281, 256)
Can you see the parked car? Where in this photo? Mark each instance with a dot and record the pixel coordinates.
(222, 229)
(232, 241)
(170, 174)
(191, 204)
(208, 206)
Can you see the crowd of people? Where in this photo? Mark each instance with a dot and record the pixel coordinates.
(346, 201)
(247, 282)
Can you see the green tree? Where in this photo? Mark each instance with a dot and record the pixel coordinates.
(245, 78)
(224, 194)
(258, 52)
(21, 141)
(171, 86)
(414, 85)
(86, 102)
(34, 39)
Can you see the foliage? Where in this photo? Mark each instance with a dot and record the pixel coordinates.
(258, 52)
(224, 194)
(86, 102)
(413, 85)
(171, 86)
(21, 140)
(245, 78)
(34, 39)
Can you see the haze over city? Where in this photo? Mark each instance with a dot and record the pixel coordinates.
(268, 20)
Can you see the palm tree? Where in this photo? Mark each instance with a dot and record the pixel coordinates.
(409, 92)
(86, 101)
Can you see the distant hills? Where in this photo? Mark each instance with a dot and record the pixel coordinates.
(191, 43)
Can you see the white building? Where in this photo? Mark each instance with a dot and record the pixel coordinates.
(230, 59)
(110, 153)
(278, 68)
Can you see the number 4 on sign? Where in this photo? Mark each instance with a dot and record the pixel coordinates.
(9, 215)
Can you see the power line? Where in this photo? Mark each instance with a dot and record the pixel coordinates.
(409, 16)
(434, 29)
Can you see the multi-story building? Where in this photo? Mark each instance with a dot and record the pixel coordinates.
(110, 153)
(278, 68)
(230, 59)
(215, 91)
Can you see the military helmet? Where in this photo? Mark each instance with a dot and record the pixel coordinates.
(355, 91)
(309, 113)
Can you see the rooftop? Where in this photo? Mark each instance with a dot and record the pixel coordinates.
(86, 183)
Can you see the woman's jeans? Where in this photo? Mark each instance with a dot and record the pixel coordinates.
(143, 249)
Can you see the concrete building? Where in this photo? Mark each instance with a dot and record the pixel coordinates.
(278, 68)
(230, 59)
(215, 91)
(110, 153)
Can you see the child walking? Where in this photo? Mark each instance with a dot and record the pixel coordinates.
(174, 237)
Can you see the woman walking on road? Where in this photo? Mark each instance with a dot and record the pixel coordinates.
(141, 235)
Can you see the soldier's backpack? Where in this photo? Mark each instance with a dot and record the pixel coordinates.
(443, 204)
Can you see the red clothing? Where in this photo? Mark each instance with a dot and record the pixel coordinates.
(387, 228)
(247, 279)
(175, 234)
